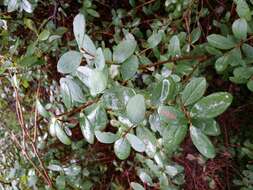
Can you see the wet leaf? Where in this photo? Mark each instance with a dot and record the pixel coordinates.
(129, 67)
(69, 62)
(193, 91)
(135, 142)
(122, 148)
(220, 42)
(124, 50)
(136, 109)
(202, 143)
(61, 135)
(211, 106)
(105, 137)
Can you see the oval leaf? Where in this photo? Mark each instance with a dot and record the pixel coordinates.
(207, 126)
(202, 143)
(155, 38)
(129, 67)
(75, 91)
(239, 28)
(135, 142)
(105, 137)
(99, 59)
(79, 28)
(41, 110)
(212, 105)
(122, 148)
(137, 186)
(136, 109)
(174, 46)
(124, 50)
(193, 91)
(61, 135)
(69, 62)
(97, 82)
(220, 41)
(87, 129)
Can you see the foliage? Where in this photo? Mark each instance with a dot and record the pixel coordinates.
(123, 92)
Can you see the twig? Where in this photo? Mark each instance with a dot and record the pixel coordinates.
(36, 114)
(78, 109)
(26, 136)
(200, 58)
(196, 66)
(146, 3)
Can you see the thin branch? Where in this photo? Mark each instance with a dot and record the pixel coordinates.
(26, 136)
(146, 3)
(200, 58)
(78, 109)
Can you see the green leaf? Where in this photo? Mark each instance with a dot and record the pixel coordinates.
(61, 135)
(12, 5)
(29, 23)
(220, 42)
(239, 28)
(202, 143)
(135, 142)
(243, 9)
(122, 148)
(155, 38)
(69, 62)
(250, 85)
(41, 110)
(173, 136)
(105, 137)
(193, 91)
(212, 105)
(174, 46)
(52, 124)
(129, 67)
(65, 94)
(136, 109)
(60, 182)
(124, 50)
(99, 60)
(79, 25)
(44, 35)
(97, 116)
(97, 82)
(247, 50)
(195, 35)
(26, 6)
(137, 186)
(73, 91)
(235, 57)
(87, 129)
(222, 63)
(168, 89)
(145, 178)
(93, 13)
(145, 135)
(162, 91)
(171, 115)
(94, 79)
(88, 47)
(207, 126)
(30, 61)
(107, 54)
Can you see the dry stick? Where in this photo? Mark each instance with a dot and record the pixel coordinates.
(146, 3)
(36, 114)
(15, 140)
(26, 134)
